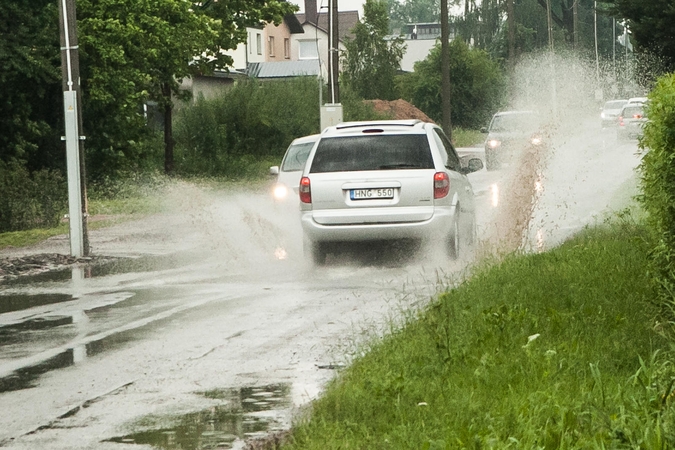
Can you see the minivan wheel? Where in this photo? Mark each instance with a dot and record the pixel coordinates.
(454, 239)
(315, 252)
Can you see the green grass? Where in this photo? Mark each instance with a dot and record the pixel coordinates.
(29, 237)
(544, 351)
(127, 199)
(467, 138)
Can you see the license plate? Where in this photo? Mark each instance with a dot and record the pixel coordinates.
(369, 194)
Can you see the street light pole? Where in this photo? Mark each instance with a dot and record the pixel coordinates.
(77, 194)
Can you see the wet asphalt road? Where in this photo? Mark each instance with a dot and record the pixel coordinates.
(211, 329)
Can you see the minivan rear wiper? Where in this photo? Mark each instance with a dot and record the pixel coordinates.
(399, 166)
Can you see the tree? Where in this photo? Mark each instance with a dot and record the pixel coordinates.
(139, 50)
(651, 24)
(477, 88)
(30, 84)
(371, 61)
(402, 12)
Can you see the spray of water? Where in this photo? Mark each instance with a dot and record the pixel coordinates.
(542, 180)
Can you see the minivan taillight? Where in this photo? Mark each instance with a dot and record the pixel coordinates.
(305, 191)
(441, 184)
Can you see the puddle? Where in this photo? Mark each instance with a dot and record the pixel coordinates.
(27, 377)
(246, 412)
(19, 302)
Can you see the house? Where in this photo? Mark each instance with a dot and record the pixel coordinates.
(296, 47)
(313, 44)
(419, 39)
(305, 49)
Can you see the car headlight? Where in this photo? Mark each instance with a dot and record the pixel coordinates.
(535, 140)
(494, 143)
(280, 191)
(603, 116)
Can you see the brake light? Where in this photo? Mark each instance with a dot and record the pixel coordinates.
(620, 121)
(441, 184)
(305, 190)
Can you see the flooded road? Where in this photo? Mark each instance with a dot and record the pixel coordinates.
(210, 328)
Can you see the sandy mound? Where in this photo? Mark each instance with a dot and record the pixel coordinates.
(398, 109)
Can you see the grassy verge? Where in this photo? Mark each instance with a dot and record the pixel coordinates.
(467, 138)
(547, 351)
(128, 199)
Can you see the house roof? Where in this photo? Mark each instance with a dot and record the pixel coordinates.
(283, 69)
(294, 25)
(347, 20)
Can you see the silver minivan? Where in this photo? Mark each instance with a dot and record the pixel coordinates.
(288, 174)
(386, 180)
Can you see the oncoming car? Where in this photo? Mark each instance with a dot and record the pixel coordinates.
(288, 175)
(510, 132)
(386, 181)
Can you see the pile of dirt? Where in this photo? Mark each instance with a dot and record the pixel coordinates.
(398, 109)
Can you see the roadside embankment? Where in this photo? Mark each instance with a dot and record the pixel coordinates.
(553, 350)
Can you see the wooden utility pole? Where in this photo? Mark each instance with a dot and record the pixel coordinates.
(445, 70)
(511, 21)
(550, 25)
(334, 57)
(575, 16)
(72, 106)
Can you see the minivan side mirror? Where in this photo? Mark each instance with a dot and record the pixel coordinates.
(274, 170)
(473, 165)
(484, 130)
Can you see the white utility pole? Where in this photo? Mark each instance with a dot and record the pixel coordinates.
(77, 200)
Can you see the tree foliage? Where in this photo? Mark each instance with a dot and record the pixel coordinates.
(139, 50)
(482, 23)
(371, 61)
(402, 12)
(658, 187)
(31, 108)
(477, 85)
(131, 52)
(651, 24)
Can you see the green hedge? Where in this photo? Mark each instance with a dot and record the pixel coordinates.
(30, 200)
(658, 186)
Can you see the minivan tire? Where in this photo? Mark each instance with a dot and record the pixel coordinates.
(315, 252)
(454, 238)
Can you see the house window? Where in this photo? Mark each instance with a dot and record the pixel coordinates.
(307, 50)
(250, 47)
(270, 46)
(287, 48)
(258, 43)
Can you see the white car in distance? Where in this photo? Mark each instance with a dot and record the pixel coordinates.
(386, 181)
(289, 173)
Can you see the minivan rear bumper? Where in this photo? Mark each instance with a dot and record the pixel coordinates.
(438, 226)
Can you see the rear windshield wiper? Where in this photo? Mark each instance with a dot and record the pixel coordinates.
(400, 166)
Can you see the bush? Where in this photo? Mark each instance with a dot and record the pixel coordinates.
(658, 186)
(477, 85)
(30, 200)
(250, 120)
(251, 124)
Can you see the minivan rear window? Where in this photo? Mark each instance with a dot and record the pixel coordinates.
(372, 152)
